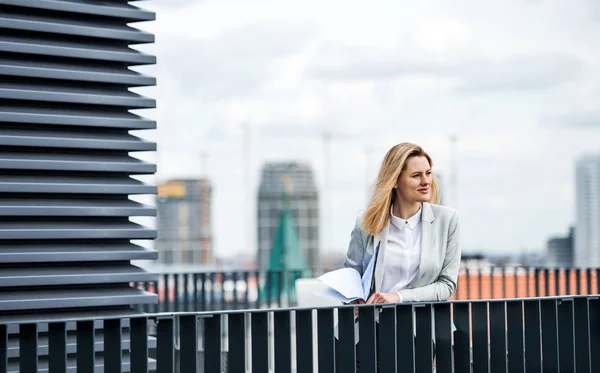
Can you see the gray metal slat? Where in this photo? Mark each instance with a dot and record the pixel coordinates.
(42, 319)
(69, 27)
(33, 230)
(71, 71)
(72, 207)
(73, 140)
(72, 49)
(74, 162)
(69, 116)
(80, 95)
(37, 299)
(124, 11)
(73, 275)
(49, 184)
(63, 253)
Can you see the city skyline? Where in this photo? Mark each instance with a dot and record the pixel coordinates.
(522, 102)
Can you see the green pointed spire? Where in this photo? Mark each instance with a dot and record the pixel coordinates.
(286, 254)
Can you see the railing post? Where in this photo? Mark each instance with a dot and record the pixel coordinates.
(236, 357)
(165, 345)
(203, 291)
(325, 341)
(247, 290)
(113, 351)
(514, 319)
(211, 278)
(188, 325)
(387, 340)
(480, 337)
(462, 337)
(213, 354)
(536, 273)
(260, 341)
(594, 309)
(304, 341)
(367, 335)
(4, 349)
(491, 282)
(195, 287)
(258, 288)
(280, 286)
(468, 276)
(582, 334)
(234, 279)
(345, 349)
(423, 341)
(57, 347)
(269, 286)
(443, 338)
(533, 355)
(550, 335)
(176, 301)
(139, 345)
(283, 341)
(566, 335)
(85, 347)
(186, 294)
(28, 346)
(497, 316)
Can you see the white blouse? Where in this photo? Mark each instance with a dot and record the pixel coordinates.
(402, 253)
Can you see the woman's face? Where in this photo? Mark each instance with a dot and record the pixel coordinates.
(414, 183)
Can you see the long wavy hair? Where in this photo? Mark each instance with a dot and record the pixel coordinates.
(377, 214)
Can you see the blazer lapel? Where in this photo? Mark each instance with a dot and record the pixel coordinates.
(381, 240)
(427, 239)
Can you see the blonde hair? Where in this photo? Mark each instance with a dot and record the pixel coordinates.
(377, 214)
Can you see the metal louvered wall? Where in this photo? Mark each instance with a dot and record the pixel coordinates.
(65, 164)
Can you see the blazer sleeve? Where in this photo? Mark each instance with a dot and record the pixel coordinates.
(445, 285)
(356, 249)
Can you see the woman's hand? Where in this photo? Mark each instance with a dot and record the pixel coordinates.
(357, 301)
(384, 298)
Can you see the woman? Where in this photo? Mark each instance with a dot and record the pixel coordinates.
(418, 254)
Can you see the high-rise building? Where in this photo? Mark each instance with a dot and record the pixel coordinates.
(587, 228)
(184, 222)
(560, 250)
(303, 205)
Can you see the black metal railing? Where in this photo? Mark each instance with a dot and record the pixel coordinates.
(548, 334)
(228, 290)
(225, 290)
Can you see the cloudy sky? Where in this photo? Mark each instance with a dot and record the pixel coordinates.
(518, 83)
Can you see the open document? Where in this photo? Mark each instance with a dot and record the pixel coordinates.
(346, 284)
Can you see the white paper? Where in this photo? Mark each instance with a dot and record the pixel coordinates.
(343, 284)
(346, 284)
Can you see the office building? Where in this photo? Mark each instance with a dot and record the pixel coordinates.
(303, 204)
(184, 223)
(560, 250)
(587, 196)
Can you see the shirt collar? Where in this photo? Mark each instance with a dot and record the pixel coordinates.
(412, 221)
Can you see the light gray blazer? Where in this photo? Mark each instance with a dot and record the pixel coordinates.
(440, 255)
